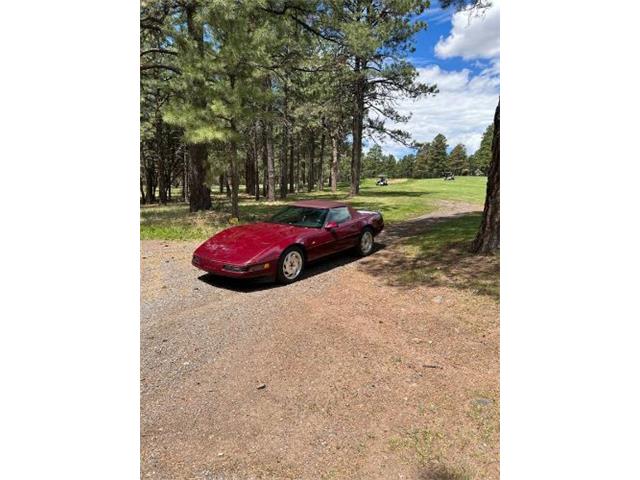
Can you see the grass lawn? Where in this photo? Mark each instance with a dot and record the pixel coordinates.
(441, 256)
(401, 200)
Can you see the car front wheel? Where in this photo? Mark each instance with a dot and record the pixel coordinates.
(290, 265)
(365, 243)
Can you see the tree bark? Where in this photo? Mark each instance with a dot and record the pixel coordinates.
(185, 174)
(284, 169)
(311, 180)
(298, 165)
(271, 174)
(249, 175)
(161, 156)
(488, 238)
(199, 193)
(149, 174)
(256, 165)
(335, 162)
(320, 166)
(358, 117)
(233, 173)
(292, 188)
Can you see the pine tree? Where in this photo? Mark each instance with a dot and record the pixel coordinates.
(421, 165)
(438, 164)
(405, 166)
(458, 159)
(389, 166)
(374, 39)
(373, 163)
(482, 157)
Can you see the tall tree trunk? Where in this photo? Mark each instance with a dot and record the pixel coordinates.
(284, 168)
(311, 173)
(199, 193)
(488, 237)
(268, 145)
(221, 183)
(265, 161)
(320, 166)
(226, 184)
(161, 155)
(256, 165)
(335, 160)
(298, 153)
(358, 117)
(185, 174)
(271, 174)
(233, 173)
(249, 176)
(291, 153)
(149, 174)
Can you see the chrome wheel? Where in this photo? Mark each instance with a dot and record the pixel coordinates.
(366, 242)
(292, 265)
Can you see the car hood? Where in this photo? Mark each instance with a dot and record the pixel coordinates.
(245, 243)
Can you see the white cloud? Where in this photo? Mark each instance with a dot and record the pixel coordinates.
(461, 111)
(465, 105)
(473, 35)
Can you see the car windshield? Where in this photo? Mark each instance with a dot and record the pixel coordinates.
(300, 216)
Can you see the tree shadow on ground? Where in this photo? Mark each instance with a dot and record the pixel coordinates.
(442, 472)
(256, 284)
(435, 251)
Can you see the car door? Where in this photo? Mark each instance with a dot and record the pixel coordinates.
(346, 231)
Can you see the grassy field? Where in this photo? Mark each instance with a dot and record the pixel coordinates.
(401, 200)
(441, 256)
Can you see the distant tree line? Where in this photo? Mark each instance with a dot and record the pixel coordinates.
(275, 95)
(431, 160)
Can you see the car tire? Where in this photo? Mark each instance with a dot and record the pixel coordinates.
(365, 242)
(290, 265)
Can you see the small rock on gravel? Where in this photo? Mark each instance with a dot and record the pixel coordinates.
(261, 386)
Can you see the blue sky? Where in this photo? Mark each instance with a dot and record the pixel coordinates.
(460, 52)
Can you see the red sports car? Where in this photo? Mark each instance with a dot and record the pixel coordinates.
(281, 247)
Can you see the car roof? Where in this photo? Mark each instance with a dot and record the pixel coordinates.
(319, 204)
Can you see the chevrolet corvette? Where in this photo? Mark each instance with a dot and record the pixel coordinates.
(282, 246)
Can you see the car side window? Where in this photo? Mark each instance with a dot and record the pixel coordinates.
(339, 215)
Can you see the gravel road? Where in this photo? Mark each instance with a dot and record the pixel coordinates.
(339, 375)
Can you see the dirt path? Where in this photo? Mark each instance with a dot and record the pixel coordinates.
(363, 379)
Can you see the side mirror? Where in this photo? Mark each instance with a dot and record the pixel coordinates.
(331, 225)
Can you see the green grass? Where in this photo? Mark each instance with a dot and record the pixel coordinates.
(401, 200)
(441, 256)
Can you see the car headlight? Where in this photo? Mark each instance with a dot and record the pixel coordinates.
(259, 267)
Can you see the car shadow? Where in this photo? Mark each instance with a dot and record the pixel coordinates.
(312, 269)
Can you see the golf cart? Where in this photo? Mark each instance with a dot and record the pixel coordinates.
(382, 181)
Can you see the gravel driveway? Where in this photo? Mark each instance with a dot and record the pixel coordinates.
(339, 375)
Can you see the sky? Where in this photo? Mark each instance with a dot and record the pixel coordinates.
(461, 54)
